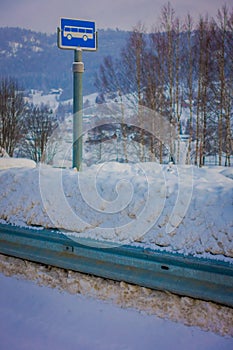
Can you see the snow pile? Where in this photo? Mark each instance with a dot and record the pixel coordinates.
(16, 163)
(182, 209)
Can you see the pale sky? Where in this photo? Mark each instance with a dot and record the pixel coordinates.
(44, 15)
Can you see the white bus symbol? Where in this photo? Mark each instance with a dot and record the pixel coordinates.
(70, 32)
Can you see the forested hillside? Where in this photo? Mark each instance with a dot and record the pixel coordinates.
(35, 61)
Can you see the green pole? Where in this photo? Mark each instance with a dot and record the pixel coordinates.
(78, 69)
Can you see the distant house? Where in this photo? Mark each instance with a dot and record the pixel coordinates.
(55, 91)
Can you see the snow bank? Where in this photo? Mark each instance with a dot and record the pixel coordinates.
(7, 163)
(184, 209)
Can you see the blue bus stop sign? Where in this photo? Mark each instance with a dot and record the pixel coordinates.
(75, 33)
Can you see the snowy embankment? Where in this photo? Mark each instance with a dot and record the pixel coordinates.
(183, 209)
(7, 163)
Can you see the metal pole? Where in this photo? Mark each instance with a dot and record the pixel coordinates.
(78, 69)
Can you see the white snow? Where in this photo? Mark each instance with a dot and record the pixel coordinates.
(15, 46)
(179, 208)
(38, 98)
(16, 163)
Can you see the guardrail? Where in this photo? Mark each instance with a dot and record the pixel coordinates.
(204, 279)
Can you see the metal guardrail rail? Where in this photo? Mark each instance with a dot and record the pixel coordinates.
(204, 279)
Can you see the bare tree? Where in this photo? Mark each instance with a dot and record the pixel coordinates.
(203, 82)
(170, 27)
(169, 40)
(11, 114)
(189, 77)
(134, 56)
(224, 36)
(39, 124)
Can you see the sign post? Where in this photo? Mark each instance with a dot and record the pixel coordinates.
(78, 69)
(77, 35)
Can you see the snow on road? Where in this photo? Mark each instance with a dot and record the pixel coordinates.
(41, 317)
